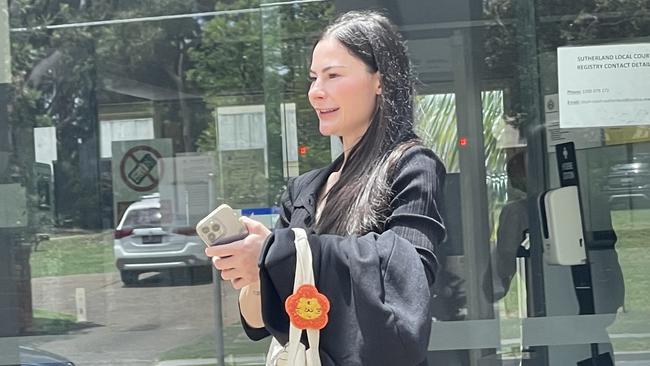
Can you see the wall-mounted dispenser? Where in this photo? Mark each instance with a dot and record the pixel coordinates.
(561, 220)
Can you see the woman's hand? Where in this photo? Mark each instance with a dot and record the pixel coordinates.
(238, 260)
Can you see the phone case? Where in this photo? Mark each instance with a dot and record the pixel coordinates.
(221, 226)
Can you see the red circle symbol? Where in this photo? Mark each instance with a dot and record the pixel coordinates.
(137, 166)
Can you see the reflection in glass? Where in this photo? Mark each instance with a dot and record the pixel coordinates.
(165, 75)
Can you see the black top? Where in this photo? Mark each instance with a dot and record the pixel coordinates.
(378, 284)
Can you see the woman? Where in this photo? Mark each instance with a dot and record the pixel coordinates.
(371, 215)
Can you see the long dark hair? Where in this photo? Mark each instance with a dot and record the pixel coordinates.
(357, 202)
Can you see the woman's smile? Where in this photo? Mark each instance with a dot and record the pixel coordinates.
(326, 112)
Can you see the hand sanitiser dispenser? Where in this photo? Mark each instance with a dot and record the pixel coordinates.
(561, 218)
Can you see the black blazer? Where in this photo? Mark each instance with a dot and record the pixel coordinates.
(378, 284)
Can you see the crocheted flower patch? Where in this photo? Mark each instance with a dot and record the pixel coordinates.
(308, 308)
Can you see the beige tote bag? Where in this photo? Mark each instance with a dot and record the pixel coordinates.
(294, 352)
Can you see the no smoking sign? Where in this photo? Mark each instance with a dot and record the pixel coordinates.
(141, 168)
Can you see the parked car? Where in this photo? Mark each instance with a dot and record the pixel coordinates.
(145, 242)
(628, 183)
(36, 357)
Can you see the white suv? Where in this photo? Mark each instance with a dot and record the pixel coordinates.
(143, 242)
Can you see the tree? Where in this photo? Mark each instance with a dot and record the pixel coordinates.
(59, 78)
(258, 56)
(228, 60)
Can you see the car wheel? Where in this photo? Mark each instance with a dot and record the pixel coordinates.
(129, 277)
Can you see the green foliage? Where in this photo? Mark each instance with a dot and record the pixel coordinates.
(228, 59)
(207, 140)
(60, 77)
(436, 124)
(49, 322)
(74, 254)
(230, 64)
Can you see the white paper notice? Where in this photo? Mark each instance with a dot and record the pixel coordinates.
(583, 138)
(603, 86)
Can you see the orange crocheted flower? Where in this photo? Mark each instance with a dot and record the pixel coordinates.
(307, 308)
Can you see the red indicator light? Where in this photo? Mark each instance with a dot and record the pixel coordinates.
(462, 141)
(302, 150)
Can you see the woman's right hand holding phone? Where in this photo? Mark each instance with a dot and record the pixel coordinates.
(238, 261)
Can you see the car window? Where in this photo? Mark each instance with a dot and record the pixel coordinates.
(145, 217)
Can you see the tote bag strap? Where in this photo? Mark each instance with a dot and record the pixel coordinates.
(304, 269)
(304, 275)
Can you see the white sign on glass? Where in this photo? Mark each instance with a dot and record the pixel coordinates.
(606, 85)
(583, 138)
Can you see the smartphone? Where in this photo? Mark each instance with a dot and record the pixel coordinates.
(221, 226)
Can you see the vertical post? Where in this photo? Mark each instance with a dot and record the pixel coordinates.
(474, 204)
(5, 82)
(528, 106)
(187, 207)
(80, 301)
(274, 86)
(5, 49)
(89, 169)
(218, 308)
(9, 311)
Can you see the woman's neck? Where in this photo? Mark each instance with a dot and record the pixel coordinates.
(348, 144)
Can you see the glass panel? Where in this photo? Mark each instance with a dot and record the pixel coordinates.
(611, 171)
(124, 123)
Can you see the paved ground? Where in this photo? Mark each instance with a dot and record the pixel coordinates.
(133, 326)
(129, 325)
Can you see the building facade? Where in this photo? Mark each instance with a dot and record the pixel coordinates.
(180, 106)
